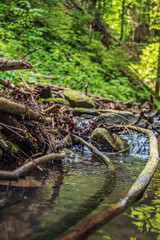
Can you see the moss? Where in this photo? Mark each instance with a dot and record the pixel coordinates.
(78, 99)
(54, 100)
(107, 142)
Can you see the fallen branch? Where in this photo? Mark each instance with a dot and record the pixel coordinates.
(19, 109)
(6, 64)
(21, 171)
(103, 157)
(91, 224)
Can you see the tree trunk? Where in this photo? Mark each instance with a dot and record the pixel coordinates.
(158, 74)
(122, 20)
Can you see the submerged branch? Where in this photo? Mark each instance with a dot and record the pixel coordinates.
(103, 157)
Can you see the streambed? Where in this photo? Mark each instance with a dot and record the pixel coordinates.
(63, 194)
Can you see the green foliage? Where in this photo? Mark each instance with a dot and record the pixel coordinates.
(68, 49)
(147, 68)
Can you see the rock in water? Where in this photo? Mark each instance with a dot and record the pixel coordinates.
(77, 99)
(116, 118)
(107, 142)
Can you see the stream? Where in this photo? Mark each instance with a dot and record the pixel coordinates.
(46, 203)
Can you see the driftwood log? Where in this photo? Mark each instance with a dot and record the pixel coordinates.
(92, 223)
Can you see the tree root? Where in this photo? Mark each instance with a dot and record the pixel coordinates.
(91, 224)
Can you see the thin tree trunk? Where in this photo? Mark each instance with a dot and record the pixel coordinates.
(122, 20)
(158, 74)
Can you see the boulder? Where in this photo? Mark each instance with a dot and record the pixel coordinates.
(84, 111)
(116, 118)
(77, 99)
(107, 142)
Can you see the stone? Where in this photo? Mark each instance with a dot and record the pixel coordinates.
(77, 99)
(116, 118)
(107, 142)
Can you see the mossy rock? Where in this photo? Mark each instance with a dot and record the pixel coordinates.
(62, 101)
(107, 142)
(116, 118)
(81, 111)
(77, 99)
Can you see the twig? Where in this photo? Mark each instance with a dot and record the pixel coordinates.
(41, 76)
(36, 49)
(35, 106)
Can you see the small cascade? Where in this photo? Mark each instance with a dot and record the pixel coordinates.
(139, 145)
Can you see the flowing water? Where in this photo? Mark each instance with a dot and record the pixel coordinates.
(46, 204)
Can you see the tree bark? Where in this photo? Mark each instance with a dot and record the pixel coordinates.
(158, 73)
(122, 20)
(6, 64)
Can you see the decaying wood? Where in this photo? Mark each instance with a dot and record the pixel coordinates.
(103, 157)
(21, 171)
(6, 64)
(19, 109)
(92, 223)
